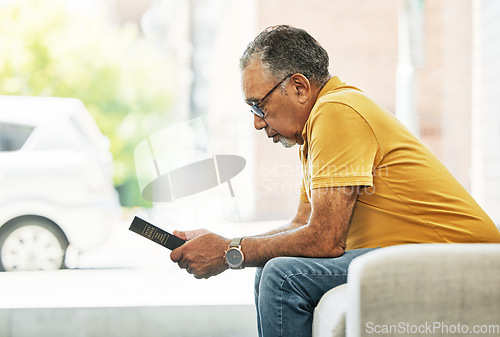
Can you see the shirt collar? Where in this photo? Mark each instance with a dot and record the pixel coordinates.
(333, 83)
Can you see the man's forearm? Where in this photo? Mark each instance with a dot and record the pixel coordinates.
(300, 241)
(315, 232)
(319, 231)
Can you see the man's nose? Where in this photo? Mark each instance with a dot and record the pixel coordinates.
(258, 122)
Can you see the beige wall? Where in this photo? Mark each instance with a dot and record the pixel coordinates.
(486, 107)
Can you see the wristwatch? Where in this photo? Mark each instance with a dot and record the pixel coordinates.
(234, 256)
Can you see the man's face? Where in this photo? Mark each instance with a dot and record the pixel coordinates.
(279, 121)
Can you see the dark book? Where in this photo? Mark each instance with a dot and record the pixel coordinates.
(155, 234)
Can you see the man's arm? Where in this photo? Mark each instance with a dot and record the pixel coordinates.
(318, 230)
(323, 235)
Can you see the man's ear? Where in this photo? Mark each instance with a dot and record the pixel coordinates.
(302, 87)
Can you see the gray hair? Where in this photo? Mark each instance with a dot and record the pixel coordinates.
(285, 50)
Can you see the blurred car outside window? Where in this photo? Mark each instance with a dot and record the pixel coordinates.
(56, 185)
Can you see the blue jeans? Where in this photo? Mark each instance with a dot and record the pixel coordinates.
(287, 289)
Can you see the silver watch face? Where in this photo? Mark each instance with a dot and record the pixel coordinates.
(234, 258)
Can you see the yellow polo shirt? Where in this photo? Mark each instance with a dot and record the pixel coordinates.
(408, 197)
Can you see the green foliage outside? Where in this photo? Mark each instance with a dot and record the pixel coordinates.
(50, 49)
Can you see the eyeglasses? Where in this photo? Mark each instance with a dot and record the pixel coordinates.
(256, 109)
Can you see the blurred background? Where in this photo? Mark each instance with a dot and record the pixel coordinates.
(83, 83)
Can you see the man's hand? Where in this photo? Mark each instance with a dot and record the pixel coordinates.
(189, 235)
(203, 253)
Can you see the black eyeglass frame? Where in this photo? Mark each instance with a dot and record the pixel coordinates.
(255, 108)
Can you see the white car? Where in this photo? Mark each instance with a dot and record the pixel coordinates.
(56, 188)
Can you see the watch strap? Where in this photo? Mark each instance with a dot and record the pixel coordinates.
(236, 242)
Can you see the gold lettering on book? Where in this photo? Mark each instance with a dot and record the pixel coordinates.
(155, 234)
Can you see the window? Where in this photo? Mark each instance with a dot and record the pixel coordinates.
(13, 136)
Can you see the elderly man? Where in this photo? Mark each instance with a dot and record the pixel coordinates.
(367, 183)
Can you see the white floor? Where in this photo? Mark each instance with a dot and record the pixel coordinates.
(129, 287)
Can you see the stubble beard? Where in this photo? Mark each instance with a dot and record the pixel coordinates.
(287, 143)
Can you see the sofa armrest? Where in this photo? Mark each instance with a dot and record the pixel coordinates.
(434, 288)
(329, 314)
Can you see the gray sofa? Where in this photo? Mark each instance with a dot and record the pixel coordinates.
(434, 289)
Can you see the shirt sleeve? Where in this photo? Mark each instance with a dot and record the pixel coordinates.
(342, 147)
(303, 193)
